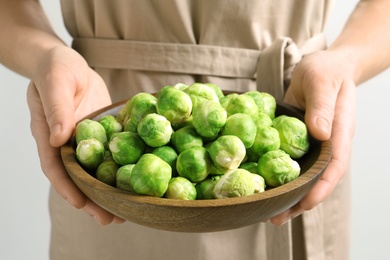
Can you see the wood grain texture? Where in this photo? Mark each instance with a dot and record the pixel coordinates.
(200, 215)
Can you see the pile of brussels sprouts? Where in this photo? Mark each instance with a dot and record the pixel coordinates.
(193, 142)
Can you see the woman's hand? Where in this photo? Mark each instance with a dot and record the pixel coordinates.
(322, 85)
(62, 92)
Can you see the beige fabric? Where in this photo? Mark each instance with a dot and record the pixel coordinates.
(273, 35)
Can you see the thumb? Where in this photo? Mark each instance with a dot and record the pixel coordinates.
(59, 111)
(320, 109)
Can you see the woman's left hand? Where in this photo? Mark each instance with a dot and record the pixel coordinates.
(322, 85)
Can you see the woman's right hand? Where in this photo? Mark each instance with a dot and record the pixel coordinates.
(62, 91)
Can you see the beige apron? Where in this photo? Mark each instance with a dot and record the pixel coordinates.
(239, 45)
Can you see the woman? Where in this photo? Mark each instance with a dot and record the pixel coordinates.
(131, 46)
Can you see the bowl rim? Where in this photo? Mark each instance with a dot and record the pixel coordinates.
(74, 168)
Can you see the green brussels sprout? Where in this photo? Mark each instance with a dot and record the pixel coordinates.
(263, 120)
(168, 154)
(267, 139)
(199, 93)
(123, 175)
(234, 183)
(125, 113)
(90, 153)
(88, 128)
(294, 137)
(218, 91)
(107, 155)
(127, 148)
(269, 104)
(278, 168)
(194, 164)
(242, 104)
(241, 125)
(259, 183)
(175, 105)
(180, 86)
(111, 125)
(186, 137)
(217, 170)
(257, 97)
(106, 172)
(161, 90)
(180, 188)
(249, 166)
(227, 152)
(204, 189)
(155, 130)
(208, 118)
(151, 176)
(140, 109)
(224, 101)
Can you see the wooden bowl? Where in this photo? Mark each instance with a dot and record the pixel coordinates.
(200, 215)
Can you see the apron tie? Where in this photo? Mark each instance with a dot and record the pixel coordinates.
(272, 67)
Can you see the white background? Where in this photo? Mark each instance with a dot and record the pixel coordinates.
(24, 218)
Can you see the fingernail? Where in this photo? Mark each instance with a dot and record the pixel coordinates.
(55, 130)
(323, 125)
(285, 220)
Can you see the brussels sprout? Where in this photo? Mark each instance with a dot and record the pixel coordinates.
(155, 130)
(228, 151)
(204, 189)
(199, 93)
(257, 97)
(168, 154)
(111, 125)
(294, 138)
(269, 104)
(241, 125)
(180, 188)
(249, 166)
(151, 176)
(224, 101)
(194, 164)
(88, 128)
(106, 172)
(180, 86)
(140, 109)
(259, 183)
(107, 155)
(234, 183)
(175, 105)
(278, 168)
(123, 175)
(218, 91)
(186, 137)
(263, 120)
(127, 148)
(90, 153)
(208, 118)
(125, 113)
(242, 104)
(217, 170)
(267, 139)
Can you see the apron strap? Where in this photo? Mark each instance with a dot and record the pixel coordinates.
(272, 67)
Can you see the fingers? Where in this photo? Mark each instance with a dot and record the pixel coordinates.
(100, 215)
(342, 134)
(58, 106)
(52, 165)
(49, 156)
